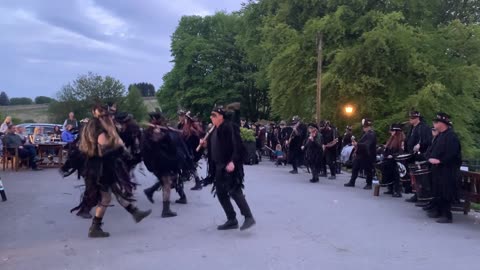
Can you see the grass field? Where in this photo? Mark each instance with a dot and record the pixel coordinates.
(39, 113)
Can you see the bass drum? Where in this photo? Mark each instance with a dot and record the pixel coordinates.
(406, 179)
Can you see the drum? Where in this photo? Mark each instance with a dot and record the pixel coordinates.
(403, 163)
(423, 183)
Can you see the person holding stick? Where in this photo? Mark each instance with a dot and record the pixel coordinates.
(225, 159)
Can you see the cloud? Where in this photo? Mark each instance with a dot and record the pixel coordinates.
(47, 43)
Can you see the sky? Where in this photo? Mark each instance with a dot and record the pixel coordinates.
(45, 44)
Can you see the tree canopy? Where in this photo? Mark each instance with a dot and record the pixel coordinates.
(383, 57)
(146, 89)
(80, 95)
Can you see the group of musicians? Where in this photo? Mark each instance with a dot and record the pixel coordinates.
(432, 157)
(430, 154)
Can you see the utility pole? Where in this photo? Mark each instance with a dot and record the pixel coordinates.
(319, 75)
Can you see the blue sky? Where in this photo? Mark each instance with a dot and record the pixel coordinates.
(45, 44)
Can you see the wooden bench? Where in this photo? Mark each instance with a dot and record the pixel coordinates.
(469, 190)
(11, 155)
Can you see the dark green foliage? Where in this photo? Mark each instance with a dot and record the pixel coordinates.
(4, 100)
(384, 57)
(21, 101)
(146, 89)
(134, 104)
(43, 100)
(80, 95)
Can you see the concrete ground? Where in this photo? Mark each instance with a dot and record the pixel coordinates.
(299, 226)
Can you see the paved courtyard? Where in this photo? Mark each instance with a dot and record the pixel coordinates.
(299, 226)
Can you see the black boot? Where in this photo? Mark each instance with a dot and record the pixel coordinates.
(367, 187)
(447, 218)
(166, 212)
(95, 230)
(137, 214)
(294, 171)
(198, 184)
(149, 191)
(412, 199)
(397, 195)
(248, 223)
(349, 184)
(182, 200)
(314, 180)
(229, 225)
(432, 205)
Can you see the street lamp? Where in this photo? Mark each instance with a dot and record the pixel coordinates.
(349, 110)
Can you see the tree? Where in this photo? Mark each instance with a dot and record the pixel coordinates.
(21, 101)
(210, 68)
(134, 104)
(80, 95)
(43, 100)
(146, 89)
(4, 101)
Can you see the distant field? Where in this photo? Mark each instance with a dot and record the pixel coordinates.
(39, 113)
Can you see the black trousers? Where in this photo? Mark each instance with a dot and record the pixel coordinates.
(331, 160)
(358, 165)
(390, 174)
(228, 187)
(315, 172)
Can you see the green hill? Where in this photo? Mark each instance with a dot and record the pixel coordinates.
(39, 113)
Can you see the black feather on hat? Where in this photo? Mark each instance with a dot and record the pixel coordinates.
(366, 122)
(443, 118)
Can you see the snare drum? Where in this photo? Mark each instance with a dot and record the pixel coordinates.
(404, 163)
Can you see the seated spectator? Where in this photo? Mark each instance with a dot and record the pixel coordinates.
(20, 131)
(12, 141)
(37, 135)
(6, 123)
(67, 135)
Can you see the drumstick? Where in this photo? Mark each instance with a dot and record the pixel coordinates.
(199, 147)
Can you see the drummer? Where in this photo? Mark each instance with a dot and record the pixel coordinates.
(417, 141)
(432, 206)
(446, 159)
(390, 172)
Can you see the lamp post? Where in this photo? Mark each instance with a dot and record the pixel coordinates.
(348, 110)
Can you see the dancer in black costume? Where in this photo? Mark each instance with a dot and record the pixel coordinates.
(225, 167)
(166, 156)
(314, 151)
(105, 171)
(192, 131)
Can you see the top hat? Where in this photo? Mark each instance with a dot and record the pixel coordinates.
(414, 114)
(396, 127)
(366, 122)
(443, 118)
(123, 117)
(219, 109)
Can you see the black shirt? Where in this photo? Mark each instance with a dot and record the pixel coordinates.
(420, 134)
(215, 148)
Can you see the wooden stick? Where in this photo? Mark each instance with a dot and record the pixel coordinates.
(199, 147)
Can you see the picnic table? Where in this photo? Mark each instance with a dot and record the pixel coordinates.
(51, 149)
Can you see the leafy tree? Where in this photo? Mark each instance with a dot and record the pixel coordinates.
(43, 100)
(21, 101)
(4, 100)
(383, 57)
(146, 89)
(81, 94)
(210, 68)
(134, 104)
